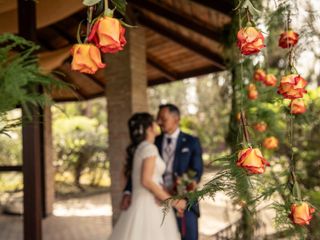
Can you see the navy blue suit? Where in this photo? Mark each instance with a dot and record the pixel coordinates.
(188, 156)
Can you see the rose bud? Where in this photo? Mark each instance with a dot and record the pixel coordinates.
(301, 213)
(270, 80)
(288, 39)
(252, 160)
(271, 143)
(260, 127)
(259, 75)
(292, 86)
(108, 35)
(250, 40)
(238, 116)
(252, 92)
(86, 58)
(252, 95)
(297, 106)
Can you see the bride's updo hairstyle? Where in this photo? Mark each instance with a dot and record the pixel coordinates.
(138, 125)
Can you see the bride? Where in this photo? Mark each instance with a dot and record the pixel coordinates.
(142, 221)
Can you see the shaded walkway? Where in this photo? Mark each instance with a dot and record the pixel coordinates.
(89, 218)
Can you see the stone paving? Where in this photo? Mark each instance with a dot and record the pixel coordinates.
(89, 218)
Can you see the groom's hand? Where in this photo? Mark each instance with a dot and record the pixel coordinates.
(180, 205)
(125, 202)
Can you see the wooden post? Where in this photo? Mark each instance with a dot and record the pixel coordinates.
(32, 140)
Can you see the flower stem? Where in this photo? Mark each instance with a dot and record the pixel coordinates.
(106, 4)
(89, 20)
(244, 126)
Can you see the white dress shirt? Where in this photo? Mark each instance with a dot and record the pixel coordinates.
(168, 155)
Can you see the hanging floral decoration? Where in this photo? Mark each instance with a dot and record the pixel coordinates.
(259, 75)
(250, 40)
(288, 39)
(86, 58)
(252, 92)
(104, 34)
(297, 106)
(252, 160)
(292, 86)
(271, 143)
(270, 80)
(301, 213)
(108, 35)
(260, 126)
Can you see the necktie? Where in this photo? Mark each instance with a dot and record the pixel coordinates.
(168, 148)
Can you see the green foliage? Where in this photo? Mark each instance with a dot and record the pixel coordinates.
(20, 78)
(81, 144)
(120, 6)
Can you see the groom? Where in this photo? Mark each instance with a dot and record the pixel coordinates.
(181, 153)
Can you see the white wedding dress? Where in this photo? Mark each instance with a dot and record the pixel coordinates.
(142, 220)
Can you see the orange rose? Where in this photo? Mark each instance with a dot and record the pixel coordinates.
(238, 116)
(86, 58)
(250, 40)
(270, 80)
(271, 143)
(297, 106)
(292, 86)
(260, 127)
(252, 160)
(301, 213)
(259, 75)
(252, 92)
(108, 35)
(288, 39)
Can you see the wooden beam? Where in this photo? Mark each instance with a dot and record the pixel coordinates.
(178, 18)
(224, 6)
(11, 168)
(215, 58)
(32, 141)
(154, 63)
(198, 72)
(96, 81)
(66, 78)
(158, 81)
(60, 30)
(66, 69)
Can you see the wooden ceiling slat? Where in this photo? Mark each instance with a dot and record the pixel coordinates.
(197, 72)
(224, 6)
(185, 32)
(158, 81)
(163, 69)
(63, 77)
(180, 19)
(97, 81)
(194, 46)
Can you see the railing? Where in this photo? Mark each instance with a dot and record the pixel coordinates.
(230, 232)
(17, 168)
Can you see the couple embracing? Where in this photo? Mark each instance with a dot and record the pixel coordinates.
(154, 163)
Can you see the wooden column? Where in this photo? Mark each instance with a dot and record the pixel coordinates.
(126, 93)
(48, 192)
(32, 141)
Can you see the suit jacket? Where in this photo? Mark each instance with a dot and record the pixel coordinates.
(188, 156)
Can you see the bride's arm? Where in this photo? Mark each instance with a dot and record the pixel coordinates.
(147, 181)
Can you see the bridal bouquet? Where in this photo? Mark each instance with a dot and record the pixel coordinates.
(183, 185)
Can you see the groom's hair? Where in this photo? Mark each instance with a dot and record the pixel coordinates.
(171, 107)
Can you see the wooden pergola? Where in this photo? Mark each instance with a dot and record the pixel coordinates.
(177, 39)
